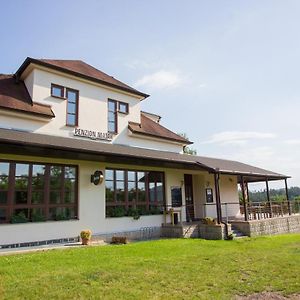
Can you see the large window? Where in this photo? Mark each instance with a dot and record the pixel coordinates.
(113, 108)
(72, 107)
(129, 192)
(31, 192)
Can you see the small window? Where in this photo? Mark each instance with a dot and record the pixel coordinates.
(123, 107)
(57, 91)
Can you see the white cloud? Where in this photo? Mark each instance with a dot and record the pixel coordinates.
(237, 137)
(293, 142)
(161, 80)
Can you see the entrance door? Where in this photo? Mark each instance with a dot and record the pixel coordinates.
(189, 201)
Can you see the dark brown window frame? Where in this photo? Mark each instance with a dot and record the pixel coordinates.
(127, 107)
(126, 204)
(115, 115)
(76, 114)
(46, 205)
(62, 88)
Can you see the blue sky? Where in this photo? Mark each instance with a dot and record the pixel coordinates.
(224, 72)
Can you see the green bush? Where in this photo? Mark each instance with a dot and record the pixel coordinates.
(38, 217)
(19, 218)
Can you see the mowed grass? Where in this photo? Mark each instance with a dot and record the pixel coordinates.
(162, 269)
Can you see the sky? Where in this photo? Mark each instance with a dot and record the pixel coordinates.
(226, 73)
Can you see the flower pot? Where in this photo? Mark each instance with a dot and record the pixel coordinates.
(85, 241)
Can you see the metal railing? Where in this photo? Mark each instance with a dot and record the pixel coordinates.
(236, 210)
(254, 210)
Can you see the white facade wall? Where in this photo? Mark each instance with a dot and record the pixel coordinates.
(92, 110)
(91, 207)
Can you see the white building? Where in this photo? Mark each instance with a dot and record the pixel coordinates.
(62, 120)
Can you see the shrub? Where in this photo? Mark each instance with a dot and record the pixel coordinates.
(19, 218)
(119, 240)
(209, 221)
(86, 234)
(37, 217)
(133, 213)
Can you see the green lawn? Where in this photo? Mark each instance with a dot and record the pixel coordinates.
(163, 269)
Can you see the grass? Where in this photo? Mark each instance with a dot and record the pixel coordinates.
(163, 269)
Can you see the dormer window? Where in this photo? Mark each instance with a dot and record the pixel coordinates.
(72, 97)
(57, 91)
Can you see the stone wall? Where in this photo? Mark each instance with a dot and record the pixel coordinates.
(270, 226)
(208, 232)
(213, 232)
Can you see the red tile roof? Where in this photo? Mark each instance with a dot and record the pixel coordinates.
(14, 96)
(150, 128)
(81, 69)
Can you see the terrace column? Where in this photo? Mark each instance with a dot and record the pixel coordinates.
(244, 199)
(218, 199)
(268, 197)
(287, 196)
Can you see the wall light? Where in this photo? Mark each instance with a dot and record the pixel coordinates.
(97, 177)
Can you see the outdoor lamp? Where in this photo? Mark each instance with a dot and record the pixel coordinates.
(97, 177)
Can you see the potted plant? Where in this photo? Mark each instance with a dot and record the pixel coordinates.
(85, 236)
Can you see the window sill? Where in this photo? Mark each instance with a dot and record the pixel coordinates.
(50, 221)
(123, 113)
(58, 97)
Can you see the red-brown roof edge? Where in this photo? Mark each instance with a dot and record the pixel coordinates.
(29, 60)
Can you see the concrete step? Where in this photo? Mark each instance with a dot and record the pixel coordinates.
(237, 233)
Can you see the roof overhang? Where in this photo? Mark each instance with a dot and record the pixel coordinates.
(33, 144)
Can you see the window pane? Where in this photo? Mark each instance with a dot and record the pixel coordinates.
(109, 174)
(2, 215)
(123, 107)
(72, 108)
(141, 192)
(152, 191)
(71, 119)
(131, 191)
(57, 91)
(70, 172)
(21, 197)
(69, 196)
(37, 197)
(55, 171)
(21, 183)
(22, 169)
(111, 105)
(3, 197)
(38, 177)
(37, 215)
(4, 168)
(71, 96)
(55, 197)
(131, 176)
(109, 191)
(111, 127)
(120, 175)
(38, 170)
(111, 117)
(3, 182)
(159, 192)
